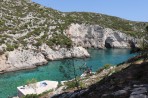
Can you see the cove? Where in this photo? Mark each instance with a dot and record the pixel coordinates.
(52, 71)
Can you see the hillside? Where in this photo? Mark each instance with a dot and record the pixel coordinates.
(32, 35)
(24, 22)
(127, 26)
(127, 80)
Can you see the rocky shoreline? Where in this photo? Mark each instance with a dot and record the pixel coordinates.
(82, 36)
(26, 59)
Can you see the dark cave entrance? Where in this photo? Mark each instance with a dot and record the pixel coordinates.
(107, 45)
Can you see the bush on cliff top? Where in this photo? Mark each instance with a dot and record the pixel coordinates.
(60, 39)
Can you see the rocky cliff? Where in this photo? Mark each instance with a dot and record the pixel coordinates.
(31, 34)
(98, 37)
(24, 23)
(60, 53)
(26, 59)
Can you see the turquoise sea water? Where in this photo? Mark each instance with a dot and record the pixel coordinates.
(52, 71)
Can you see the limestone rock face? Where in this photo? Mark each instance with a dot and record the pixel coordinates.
(79, 52)
(97, 36)
(24, 59)
(2, 48)
(61, 53)
(21, 59)
(3, 63)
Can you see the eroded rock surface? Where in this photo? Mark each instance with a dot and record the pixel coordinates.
(61, 53)
(24, 59)
(21, 59)
(98, 37)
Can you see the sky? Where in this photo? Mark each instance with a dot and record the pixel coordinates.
(136, 10)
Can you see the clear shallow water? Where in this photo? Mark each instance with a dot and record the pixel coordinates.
(52, 71)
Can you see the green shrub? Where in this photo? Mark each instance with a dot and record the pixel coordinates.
(39, 43)
(1, 22)
(60, 39)
(33, 80)
(70, 84)
(37, 96)
(10, 47)
(106, 66)
(31, 96)
(74, 84)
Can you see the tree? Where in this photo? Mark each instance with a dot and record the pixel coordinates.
(144, 46)
(70, 70)
(145, 39)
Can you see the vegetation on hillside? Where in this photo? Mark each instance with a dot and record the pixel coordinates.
(60, 39)
(129, 27)
(37, 96)
(26, 22)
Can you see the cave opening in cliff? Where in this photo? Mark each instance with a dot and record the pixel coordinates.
(107, 45)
